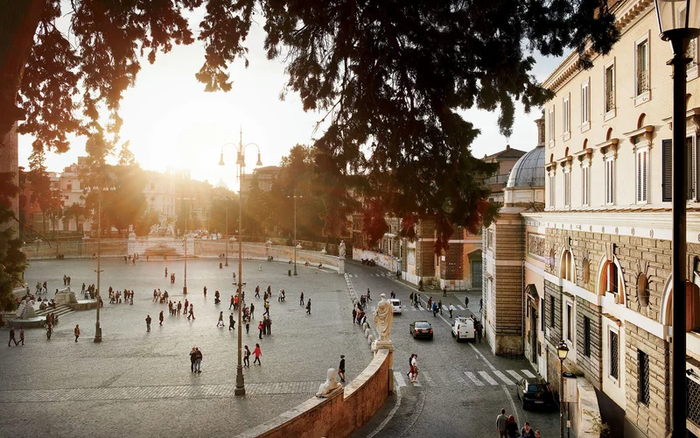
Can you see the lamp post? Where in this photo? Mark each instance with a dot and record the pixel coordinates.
(295, 229)
(679, 22)
(240, 161)
(98, 327)
(562, 351)
(226, 232)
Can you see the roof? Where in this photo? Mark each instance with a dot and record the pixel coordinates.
(508, 152)
(529, 170)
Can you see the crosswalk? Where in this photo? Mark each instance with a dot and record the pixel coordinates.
(473, 378)
(381, 275)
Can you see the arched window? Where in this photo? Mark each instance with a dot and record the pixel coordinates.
(610, 278)
(643, 290)
(567, 271)
(692, 314)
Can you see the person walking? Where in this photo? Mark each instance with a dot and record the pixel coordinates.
(501, 424)
(232, 303)
(252, 310)
(301, 298)
(198, 360)
(527, 431)
(512, 428)
(440, 306)
(12, 337)
(308, 307)
(221, 320)
(269, 326)
(257, 353)
(466, 302)
(257, 291)
(191, 314)
(451, 309)
(247, 324)
(479, 328)
(369, 296)
(481, 304)
(193, 354)
(148, 323)
(444, 291)
(341, 368)
(260, 329)
(21, 333)
(354, 314)
(246, 357)
(231, 322)
(76, 332)
(160, 318)
(267, 308)
(205, 291)
(414, 368)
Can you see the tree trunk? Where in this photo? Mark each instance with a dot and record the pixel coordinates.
(18, 23)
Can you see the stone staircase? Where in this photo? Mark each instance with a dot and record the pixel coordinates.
(60, 310)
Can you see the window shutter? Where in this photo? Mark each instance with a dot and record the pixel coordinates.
(644, 174)
(667, 170)
(639, 176)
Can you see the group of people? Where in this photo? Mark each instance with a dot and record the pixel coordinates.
(508, 428)
(115, 297)
(176, 309)
(160, 297)
(66, 280)
(41, 289)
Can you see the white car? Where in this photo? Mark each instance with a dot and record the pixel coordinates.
(463, 329)
(396, 304)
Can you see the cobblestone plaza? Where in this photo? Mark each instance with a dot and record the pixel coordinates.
(136, 383)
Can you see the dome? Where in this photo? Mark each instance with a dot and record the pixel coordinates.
(529, 170)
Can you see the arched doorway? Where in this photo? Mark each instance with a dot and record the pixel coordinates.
(475, 269)
(532, 298)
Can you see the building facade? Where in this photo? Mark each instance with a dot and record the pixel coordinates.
(594, 266)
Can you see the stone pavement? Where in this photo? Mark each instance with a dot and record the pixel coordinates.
(136, 383)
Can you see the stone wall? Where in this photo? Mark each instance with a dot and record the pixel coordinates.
(652, 419)
(339, 415)
(591, 366)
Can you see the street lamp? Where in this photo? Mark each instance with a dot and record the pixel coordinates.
(562, 351)
(184, 284)
(240, 161)
(296, 246)
(226, 232)
(98, 328)
(679, 22)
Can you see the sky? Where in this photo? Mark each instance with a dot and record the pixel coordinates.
(172, 123)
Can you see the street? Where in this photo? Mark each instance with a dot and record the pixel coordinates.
(461, 386)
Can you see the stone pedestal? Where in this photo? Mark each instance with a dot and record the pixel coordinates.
(66, 296)
(341, 266)
(386, 345)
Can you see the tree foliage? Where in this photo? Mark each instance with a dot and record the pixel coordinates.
(391, 76)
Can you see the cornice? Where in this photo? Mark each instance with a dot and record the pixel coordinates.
(624, 17)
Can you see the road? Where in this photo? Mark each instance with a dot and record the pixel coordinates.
(461, 386)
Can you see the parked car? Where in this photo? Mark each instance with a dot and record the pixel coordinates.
(396, 304)
(463, 329)
(535, 393)
(421, 329)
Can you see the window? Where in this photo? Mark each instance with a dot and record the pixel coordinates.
(552, 192)
(614, 355)
(609, 181)
(587, 336)
(612, 282)
(643, 377)
(69, 187)
(585, 186)
(565, 118)
(567, 266)
(551, 311)
(550, 127)
(692, 67)
(691, 168)
(585, 106)
(667, 170)
(641, 78)
(690, 162)
(609, 100)
(641, 175)
(542, 313)
(569, 322)
(567, 187)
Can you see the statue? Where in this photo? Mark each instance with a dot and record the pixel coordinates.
(383, 318)
(329, 385)
(341, 249)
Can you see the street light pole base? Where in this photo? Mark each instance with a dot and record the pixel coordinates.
(184, 290)
(226, 263)
(98, 333)
(240, 383)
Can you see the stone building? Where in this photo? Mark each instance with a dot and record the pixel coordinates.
(505, 159)
(594, 267)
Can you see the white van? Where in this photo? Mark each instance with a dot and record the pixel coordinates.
(396, 304)
(463, 329)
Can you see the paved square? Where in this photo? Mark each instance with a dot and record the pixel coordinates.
(136, 383)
